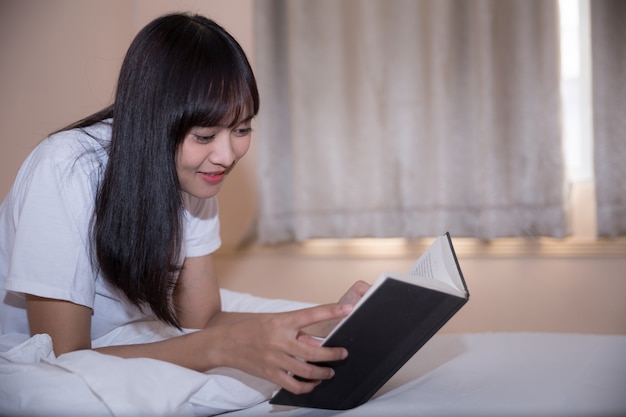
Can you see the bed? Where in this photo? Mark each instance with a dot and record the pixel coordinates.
(485, 374)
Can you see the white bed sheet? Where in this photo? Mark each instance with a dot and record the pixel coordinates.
(497, 374)
(500, 374)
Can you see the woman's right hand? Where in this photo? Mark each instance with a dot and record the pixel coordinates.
(273, 346)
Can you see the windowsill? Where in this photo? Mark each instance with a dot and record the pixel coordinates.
(464, 247)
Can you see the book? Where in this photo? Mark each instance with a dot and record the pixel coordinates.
(389, 324)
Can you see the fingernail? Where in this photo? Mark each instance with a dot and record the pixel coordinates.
(346, 308)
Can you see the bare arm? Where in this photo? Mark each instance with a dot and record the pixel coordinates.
(270, 346)
(196, 295)
(68, 324)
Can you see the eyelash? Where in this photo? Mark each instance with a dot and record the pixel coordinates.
(243, 131)
(239, 132)
(205, 139)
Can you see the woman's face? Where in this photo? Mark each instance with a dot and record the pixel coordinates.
(207, 154)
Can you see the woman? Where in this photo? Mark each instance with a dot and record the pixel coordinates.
(113, 219)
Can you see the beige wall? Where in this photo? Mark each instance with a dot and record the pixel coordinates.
(59, 61)
(506, 294)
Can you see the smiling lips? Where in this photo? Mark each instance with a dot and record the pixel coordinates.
(213, 177)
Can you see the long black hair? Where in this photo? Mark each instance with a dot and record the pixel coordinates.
(180, 71)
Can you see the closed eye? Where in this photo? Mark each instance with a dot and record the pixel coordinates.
(244, 131)
(204, 139)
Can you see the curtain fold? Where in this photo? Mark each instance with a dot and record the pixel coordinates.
(608, 56)
(405, 118)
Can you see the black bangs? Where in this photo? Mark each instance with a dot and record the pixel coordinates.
(221, 89)
(224, 103)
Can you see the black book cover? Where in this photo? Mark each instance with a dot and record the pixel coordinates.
(381, 336)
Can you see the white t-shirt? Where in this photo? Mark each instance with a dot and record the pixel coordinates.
(44, 223)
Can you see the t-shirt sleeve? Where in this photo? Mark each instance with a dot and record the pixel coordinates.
(202, 226)
(51, 202)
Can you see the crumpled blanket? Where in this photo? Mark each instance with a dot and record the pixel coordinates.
(34, 382)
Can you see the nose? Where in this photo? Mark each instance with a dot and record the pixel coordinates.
(222, 153)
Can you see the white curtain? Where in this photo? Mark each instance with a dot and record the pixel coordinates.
(608, 51)
(408, 118)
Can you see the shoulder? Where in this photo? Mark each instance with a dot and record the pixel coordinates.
(68, 161)
(73, 151)
(75, 144)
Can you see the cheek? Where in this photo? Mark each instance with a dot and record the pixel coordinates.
(187, 157)
(240, 147)
(184, 169)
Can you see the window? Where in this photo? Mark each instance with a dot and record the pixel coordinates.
(577, 143)
(577, 116)
(575, 86)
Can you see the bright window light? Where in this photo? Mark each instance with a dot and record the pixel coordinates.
(575, 89)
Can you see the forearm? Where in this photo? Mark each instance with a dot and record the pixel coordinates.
(195, 350)
(199, 350)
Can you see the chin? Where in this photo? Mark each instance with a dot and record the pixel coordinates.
(203, 194)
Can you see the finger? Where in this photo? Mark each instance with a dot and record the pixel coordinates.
(298, 377)
(285, 379)
(360, 288)
(355, 293)
(309, 340)
(296, 386)
(307, 371)
(310, 353)
(313, 315)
